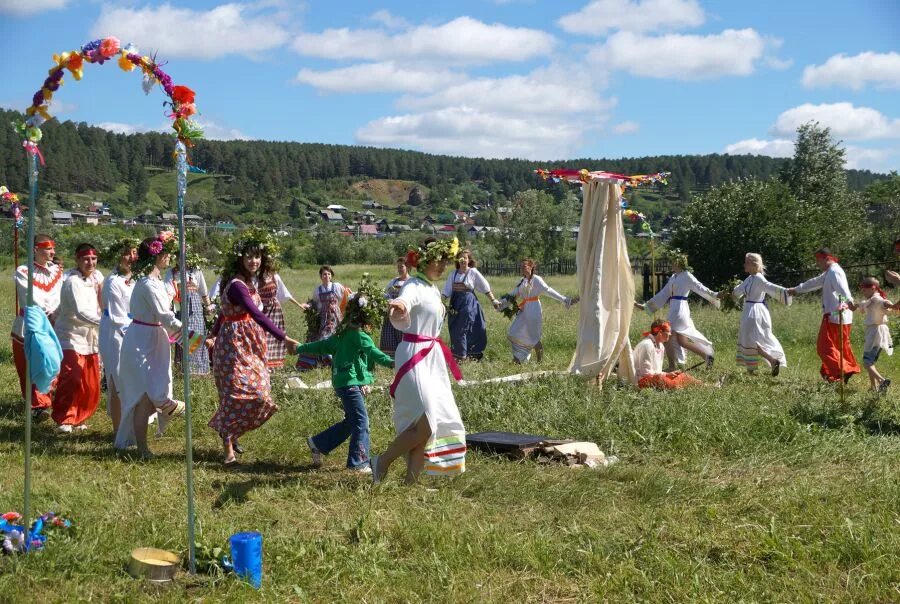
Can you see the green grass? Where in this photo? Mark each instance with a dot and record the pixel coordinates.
(764, 491)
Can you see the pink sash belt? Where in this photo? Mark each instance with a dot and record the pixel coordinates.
(421, 354)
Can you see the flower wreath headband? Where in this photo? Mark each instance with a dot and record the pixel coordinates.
(164, 243)
(255, 238)
(442, 249)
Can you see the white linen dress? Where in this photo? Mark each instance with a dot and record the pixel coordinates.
(878, 336)
(426, 388)
(675, 293)
(526, 328)
(756, 323)
(145, 365)
(115, 299)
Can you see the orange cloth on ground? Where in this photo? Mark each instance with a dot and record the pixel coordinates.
(664, 381)
(828, 346)
(39, 400)
(77, 389)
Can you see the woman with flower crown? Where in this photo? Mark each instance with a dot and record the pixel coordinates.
(239, 351)
(115, 301)
(145, 365)
(430, 431)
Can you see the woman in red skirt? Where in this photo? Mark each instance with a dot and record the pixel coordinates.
(239, 352)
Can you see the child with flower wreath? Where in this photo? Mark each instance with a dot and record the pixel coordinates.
(145, 365)
(354, 355)
(430, 431)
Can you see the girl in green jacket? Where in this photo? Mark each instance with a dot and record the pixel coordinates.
(354, 357)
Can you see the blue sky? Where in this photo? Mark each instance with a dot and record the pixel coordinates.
(537, 79)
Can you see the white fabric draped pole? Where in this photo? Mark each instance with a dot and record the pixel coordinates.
(605, 283)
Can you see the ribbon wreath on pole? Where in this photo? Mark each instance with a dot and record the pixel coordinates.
(181, 107)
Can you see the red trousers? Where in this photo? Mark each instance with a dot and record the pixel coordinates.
(39, 400)
(828, 346)
(664, 381)
(78, 388)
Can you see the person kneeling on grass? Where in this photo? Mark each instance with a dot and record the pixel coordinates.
(648, 361)
(878, 336)
(354, 354)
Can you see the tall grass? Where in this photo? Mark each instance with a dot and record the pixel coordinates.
(765, 490)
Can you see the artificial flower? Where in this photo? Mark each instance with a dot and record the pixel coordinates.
(148, 83)
(75, 64)
(186, 110)
(125, 63)
(165, 236)
(156, 247)
(182, 94)
(109, 47)
(11, 516)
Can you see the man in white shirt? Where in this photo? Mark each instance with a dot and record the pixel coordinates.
(47, 285)
(78, 328)
(837, 318)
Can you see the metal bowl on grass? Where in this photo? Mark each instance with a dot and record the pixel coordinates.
(153, 564)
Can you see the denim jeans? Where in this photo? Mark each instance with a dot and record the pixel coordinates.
(355, 425)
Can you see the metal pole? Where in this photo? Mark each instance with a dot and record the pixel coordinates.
(29, 300)
(181, 173)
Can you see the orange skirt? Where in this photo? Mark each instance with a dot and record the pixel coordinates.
(828, 346)
(78, 389)
(664, 381)
(39, 400)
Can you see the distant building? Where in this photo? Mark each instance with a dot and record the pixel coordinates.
(371, 204)
(336, 207)
(331, 216)
(61, 218)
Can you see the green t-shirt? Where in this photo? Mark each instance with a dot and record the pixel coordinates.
(354, 355)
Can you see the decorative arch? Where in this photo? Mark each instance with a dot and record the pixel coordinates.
(181, 105)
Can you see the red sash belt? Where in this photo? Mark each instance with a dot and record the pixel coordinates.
(235, 318)
(421, 354)
(147, 324)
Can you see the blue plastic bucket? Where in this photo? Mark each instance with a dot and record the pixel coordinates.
(246, 555)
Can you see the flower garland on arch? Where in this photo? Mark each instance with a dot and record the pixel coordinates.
(181, 98)
(585, 175)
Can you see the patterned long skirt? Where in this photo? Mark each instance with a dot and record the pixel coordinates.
(390, 337)
(196, 323)
(276, 349)
(242, 379)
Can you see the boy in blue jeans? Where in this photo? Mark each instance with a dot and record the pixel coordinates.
(354, 355)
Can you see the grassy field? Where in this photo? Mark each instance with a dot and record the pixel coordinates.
(763, 491)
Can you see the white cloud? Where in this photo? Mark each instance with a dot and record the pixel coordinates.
(880, 69)
(845, 120)
(860, 158)
(379, 77)
(470, 132)
(234, 29)
(22, 8)
(120, 128)
(534, 94)
(627, 127)
(683, 57)
(389, 20)
(462, 40)
(601, 16)
(218, 132)
(778, 147)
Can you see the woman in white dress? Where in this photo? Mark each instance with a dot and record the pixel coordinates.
(430, 432)
(755, 338)
(527, 326)
(115, 300)
(675, 293)
(145, 366)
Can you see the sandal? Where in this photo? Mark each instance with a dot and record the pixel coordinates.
(171, 408)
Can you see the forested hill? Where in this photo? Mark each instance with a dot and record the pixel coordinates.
(82, 158)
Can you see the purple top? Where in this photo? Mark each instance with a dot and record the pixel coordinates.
(240, 296)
